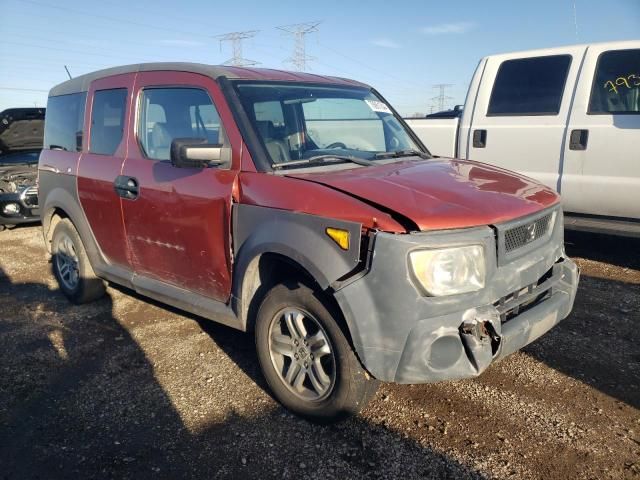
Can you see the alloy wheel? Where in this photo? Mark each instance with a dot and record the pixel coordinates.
(67, 263)
(302, 354)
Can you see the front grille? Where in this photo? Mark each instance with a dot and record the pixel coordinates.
(523, 299)
(522, 235)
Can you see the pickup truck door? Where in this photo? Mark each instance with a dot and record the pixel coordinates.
(107, 122)
(521, 110)
(601, 173)
(177, 220)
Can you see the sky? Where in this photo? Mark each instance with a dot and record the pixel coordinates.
(402, 48)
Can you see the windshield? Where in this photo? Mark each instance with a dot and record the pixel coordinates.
(298, 122)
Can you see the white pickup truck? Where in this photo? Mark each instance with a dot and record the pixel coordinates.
(568, 117)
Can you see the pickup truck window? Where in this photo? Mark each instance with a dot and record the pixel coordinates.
(529, 86)
(616, 83)
(107, 120)
(64, 126)
(176, 112)
(301, 121)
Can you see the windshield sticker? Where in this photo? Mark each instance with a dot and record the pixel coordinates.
(377, 106)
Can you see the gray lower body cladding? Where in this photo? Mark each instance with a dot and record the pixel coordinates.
(403, 336)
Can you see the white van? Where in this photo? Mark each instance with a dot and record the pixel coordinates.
(568, 117)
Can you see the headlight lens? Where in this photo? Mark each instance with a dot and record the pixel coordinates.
(11, 209)
(449, 271)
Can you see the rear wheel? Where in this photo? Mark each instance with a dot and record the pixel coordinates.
(71, 265)
(306, 358)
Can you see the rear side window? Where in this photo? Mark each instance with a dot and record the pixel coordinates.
(63, 128)
(616, 84)
(170, 113)
(529, 86)
(107, 120)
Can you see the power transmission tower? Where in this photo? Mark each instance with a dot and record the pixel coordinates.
(442, 98)
(236, 46)
(300, 58)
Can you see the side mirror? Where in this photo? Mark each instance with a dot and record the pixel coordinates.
(195, 153)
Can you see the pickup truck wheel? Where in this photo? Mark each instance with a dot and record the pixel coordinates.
(306, 358)
(71, 265)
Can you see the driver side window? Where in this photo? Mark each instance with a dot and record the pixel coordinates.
(170, 113)
(344, 121)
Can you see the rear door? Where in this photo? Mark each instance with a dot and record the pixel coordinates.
(107, 122)
(178, 225)
(521, 111)
(602, 164)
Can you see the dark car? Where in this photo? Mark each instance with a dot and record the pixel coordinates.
(21, 132)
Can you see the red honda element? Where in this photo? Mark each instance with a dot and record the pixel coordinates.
(303, 209)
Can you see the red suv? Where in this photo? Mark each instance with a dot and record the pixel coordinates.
(301, 208)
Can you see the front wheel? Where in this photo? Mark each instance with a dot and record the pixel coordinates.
(306, 358)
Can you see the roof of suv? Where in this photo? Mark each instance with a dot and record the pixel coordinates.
(81, 83)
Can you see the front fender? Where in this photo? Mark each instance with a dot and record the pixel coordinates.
(297, 236)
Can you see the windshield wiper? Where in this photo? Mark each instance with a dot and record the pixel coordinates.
(402, 153)
(320, 159)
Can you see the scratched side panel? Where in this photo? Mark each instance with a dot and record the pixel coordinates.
(177, 228)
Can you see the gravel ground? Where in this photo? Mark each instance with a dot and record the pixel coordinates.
(127, 388)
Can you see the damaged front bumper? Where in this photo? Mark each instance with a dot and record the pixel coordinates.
(403, 336)
(19, 207)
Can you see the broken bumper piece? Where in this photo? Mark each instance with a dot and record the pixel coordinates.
(483, 337)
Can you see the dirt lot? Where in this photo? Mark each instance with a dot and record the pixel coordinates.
(126, 388)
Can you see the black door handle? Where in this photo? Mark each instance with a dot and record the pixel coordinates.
(578, 139)
(479, 138)
(126, 187)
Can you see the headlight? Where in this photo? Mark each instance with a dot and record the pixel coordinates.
(449, 271)
(11, 209)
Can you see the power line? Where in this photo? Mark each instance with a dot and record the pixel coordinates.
(575, 18)
(373, 69)
(300, 58)
(441, 98)
(23, 89)
(236, 38)
(112, 19)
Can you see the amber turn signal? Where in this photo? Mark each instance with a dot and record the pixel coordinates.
(341, 237)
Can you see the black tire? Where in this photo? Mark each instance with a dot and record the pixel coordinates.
(352, 387)
(88, 287)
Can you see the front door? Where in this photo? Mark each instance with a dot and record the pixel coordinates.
(519, 120)
(178, 223)
(602, 163)
(107, 121)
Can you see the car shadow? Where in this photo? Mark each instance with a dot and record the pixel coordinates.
(621, 251)
(79, 399)
(598, 343)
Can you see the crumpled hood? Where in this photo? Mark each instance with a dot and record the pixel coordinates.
(442, 193)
